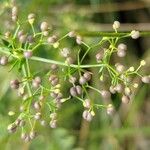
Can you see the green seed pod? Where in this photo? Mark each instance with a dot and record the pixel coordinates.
(53, 123)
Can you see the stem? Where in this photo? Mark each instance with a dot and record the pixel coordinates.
(111, 34)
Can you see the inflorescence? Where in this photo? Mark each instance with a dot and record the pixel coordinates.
(36, 96)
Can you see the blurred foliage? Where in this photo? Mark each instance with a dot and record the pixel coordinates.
(128, 129)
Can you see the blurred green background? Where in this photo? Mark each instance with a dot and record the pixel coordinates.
(129, 128)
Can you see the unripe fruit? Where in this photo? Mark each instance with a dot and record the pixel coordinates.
(79, 90)
(20, 33)
(28, 54)
(30, 39)
(44, 26)
(119, 67)
(7, 34)
(37, 79)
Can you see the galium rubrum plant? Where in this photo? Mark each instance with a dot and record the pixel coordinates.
(36, 96)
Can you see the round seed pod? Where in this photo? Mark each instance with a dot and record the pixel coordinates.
(53, 123)
(12, 128)
(125, 99)
(65, 52)
(119, 88)
(110, 109)
(82, 80)
(28, 54)
(52, 39)
(45, 33)
(99, 56)
(31, 18)
(122, 47)
(52, 77)
(73, 91)
(87, 75)
(69, 60)
(27, 139)
(14, 11)
(20, 33)
(87, 103)
(116, 25)
(79, 40)
(14, 18)
(145, 79)
(44, 26)
(55, 82)
(37, 116)
(119, 67)
(35, 84)
(4, 60)
(14, 84)
(32, 135)
(127, 91)
(121, 53)
(54, 67)
(22, 123)
(23, 136)
(78, 89)
(30, 39)
(37, 106)
(135, 34)
(112, 89)
(7, 34)
(53, 116)
(17, 122)
(41, 97)
(87, 115)
(105, 94)
(37, 79)
(43, 123)
(53, 94)
(72, 34)
(22, 38)
(72, 79)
